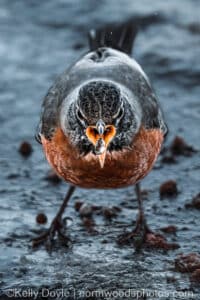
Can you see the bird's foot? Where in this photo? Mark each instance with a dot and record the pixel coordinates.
(143, 237)
(57, 227)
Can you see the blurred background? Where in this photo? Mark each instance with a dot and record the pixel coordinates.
(39, 40)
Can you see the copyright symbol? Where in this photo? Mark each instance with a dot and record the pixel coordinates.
(9, 293)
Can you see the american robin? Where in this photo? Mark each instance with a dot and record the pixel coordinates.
(101, 125)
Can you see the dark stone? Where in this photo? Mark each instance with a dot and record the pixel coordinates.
(168, 189)
(25, 149)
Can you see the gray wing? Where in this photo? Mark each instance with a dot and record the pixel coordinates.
(49, 119)
(152, 116)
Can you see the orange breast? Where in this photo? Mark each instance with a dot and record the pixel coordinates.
(122, 168)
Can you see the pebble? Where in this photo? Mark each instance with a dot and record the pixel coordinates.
(168, 189)
(25, 149)
(41, 218)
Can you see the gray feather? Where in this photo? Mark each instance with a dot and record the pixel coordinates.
(114, 66)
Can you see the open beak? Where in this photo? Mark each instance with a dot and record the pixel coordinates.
(100, 136)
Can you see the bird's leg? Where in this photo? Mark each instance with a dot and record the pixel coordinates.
(56, 225)
(142, 235)
(141, 225)
(138, 235)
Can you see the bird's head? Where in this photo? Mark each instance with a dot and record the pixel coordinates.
(100, 119)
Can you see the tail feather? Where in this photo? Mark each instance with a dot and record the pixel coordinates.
(120, 37)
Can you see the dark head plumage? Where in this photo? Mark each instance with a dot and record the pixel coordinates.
(99, 100)
(100, 108)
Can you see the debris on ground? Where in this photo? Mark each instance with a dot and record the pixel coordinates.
(169, 229)
(157, 241)
(180, 147)
(189, 263)
(195, 202)
(53, 177)
(25, 149)
(148, 240)
(110, 212)
(85, 210)
(77, 205)
(195, 276)
(168, 159)
(89, 225)
(41, 218)
(168, 189)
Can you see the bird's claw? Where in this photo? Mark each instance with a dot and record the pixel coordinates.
(136, 237)
(143, 236)
(48, 237)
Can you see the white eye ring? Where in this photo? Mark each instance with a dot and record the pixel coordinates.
(119, 113)
(80, 115)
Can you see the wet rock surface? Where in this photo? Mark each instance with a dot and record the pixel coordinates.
(38, 40)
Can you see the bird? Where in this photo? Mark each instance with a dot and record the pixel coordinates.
(101, 124)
